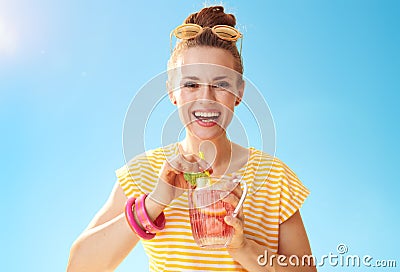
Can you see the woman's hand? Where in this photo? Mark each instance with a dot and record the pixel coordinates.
(171, 183)
(238, 240)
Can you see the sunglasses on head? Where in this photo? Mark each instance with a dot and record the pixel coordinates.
(190, 31)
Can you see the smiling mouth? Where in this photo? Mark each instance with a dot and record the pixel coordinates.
(207, 117)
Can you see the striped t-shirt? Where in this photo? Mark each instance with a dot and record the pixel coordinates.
(274, 194)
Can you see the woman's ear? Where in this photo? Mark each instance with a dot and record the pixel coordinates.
(170, 92)
(239, 97)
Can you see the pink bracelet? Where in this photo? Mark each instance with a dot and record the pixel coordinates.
(132, 222)
(144, 218)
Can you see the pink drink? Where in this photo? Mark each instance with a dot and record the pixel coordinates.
(207, 212)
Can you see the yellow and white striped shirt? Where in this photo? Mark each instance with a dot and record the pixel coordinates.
(275, 193)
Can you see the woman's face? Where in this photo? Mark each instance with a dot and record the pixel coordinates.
(206, 89)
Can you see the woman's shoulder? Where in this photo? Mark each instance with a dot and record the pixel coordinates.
(151, 158)
(159, 153)
(266, 166)
(264, 159)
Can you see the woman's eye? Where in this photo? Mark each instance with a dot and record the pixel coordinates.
(191, 85)
(222, 85)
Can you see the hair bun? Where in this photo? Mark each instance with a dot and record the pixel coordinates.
(208, 18)
(218, 8)
(211, 16)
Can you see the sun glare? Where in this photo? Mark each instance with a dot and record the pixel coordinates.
(8, 39)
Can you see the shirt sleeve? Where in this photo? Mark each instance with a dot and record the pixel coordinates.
(292, 193)
(126, 178)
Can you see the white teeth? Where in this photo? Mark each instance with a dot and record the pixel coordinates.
(206, 114)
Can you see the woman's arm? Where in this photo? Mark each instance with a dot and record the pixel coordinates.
(107, 240)
(293, 240)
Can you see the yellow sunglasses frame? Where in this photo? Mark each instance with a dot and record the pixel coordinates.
(214, 29)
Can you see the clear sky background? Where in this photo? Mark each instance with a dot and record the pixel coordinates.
(329, 71)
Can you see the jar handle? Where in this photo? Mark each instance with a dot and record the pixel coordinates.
(242, 198)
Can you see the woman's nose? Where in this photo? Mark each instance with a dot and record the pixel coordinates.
(207, 92)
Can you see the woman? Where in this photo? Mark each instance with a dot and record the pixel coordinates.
(205, 83)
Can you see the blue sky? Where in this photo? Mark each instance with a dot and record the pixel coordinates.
(69, 70)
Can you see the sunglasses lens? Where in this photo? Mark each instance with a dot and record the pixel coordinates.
(187, 31)
(227, 33)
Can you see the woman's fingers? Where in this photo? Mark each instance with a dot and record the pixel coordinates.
(230, 198)
(234, 201)
(202, 165)
(174, 168)
(236, 223)
(237, 191)
(238, 239)
(188, 163)
(176, 162)
(196, 163)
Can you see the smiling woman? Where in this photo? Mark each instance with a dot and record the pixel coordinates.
(208, 90)
(205, 83)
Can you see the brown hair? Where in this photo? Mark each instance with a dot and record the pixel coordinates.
(209, 17)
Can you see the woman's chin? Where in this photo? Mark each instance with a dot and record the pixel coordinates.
(206, 133)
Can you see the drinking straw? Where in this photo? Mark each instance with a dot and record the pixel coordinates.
(201, 155)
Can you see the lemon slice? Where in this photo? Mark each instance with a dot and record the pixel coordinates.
(213, 211)
(191, 177)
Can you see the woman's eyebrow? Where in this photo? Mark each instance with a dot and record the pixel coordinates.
(220, 77)
(191, 77)
(214, 79)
